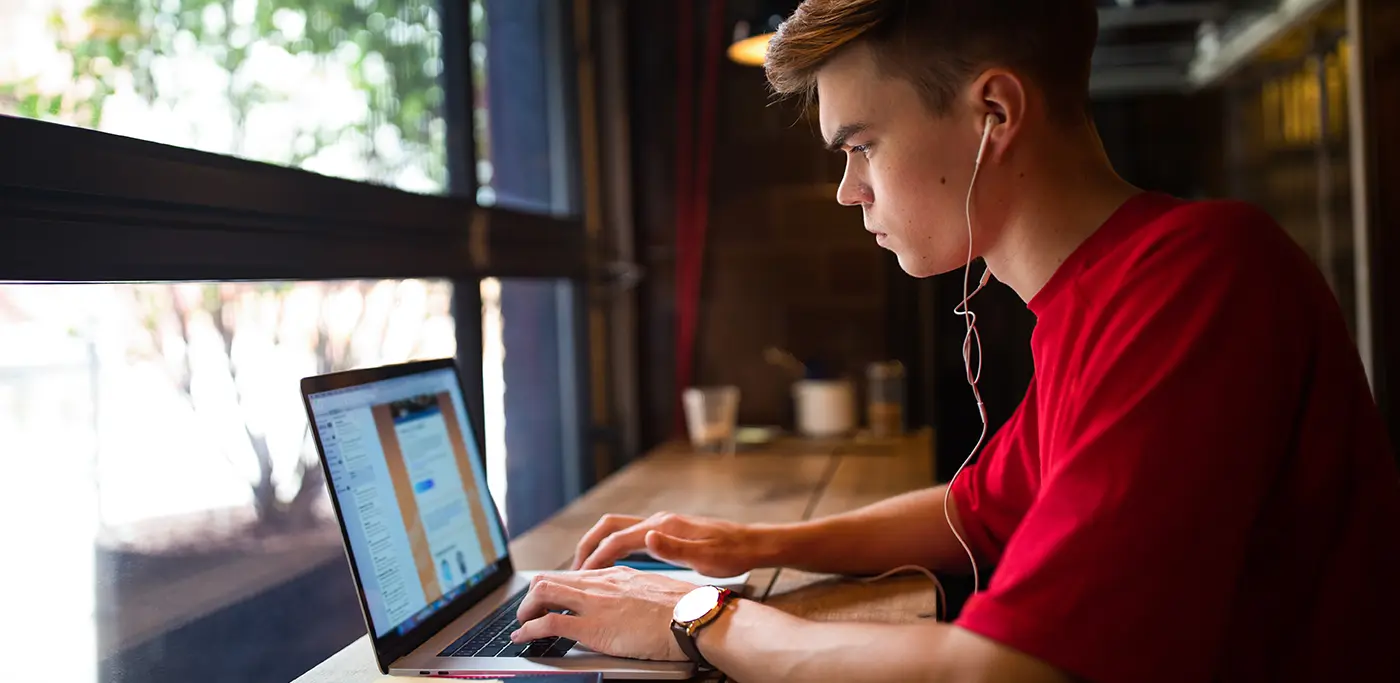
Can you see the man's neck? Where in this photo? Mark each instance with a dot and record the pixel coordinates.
(1057, 200)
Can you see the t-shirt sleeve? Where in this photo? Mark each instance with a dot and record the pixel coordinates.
(993, 494)
(1174, 427)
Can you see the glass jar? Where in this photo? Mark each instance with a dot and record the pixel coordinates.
(884, 398)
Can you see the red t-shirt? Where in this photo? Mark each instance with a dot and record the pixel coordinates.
(1198, 485)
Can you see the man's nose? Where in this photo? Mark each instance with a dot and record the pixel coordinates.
(853, 190)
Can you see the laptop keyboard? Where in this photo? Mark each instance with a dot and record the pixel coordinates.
(491, 637)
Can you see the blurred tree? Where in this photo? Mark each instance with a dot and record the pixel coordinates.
(344, 331)
(390, 53)
(390, 50)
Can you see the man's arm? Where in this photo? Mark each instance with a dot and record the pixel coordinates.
(627, 613)
(754, 642)
(906, 529)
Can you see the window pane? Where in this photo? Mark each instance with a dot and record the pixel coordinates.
(524, 115)
(347, 88)
(160, 476)
(534, 382)
(481, 113)
(493, 368)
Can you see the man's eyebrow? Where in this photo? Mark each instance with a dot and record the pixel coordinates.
(844, 133)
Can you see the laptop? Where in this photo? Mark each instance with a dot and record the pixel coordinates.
(424, 540)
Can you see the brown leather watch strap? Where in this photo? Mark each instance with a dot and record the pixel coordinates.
(685, 633)
(688, 646)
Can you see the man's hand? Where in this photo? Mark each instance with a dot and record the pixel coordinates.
(617, 611)
(709, 546)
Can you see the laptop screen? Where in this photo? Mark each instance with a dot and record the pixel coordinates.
(411, 489)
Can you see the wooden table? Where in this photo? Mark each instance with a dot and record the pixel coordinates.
(790, 480)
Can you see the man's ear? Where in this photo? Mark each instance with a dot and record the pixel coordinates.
(1003, 95)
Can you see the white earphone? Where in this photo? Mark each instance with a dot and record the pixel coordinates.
(970, 340)
(990, 121)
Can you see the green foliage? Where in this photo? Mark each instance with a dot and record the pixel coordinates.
(29, 106)
(391, 50)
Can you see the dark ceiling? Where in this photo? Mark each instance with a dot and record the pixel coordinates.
(1148, 45)
(1144, 45)
(1166, 45)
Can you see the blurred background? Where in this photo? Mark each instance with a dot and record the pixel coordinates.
(657, 221)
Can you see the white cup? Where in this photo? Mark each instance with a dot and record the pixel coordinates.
(825, 408)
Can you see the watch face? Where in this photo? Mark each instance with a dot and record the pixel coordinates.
(696, 604)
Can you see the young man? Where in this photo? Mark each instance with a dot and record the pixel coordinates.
(1197, 486)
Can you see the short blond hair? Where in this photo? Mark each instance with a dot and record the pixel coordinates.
(939, 45)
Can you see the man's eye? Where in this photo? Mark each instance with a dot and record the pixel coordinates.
(861, 149)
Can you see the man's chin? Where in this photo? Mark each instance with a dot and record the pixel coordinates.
(918, 267)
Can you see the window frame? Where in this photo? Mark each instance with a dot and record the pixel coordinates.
(78, 205)
(159, 213)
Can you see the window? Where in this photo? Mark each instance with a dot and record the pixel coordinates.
(156, 463)
(158, 431)
(481, 112)
(526, 159)
(347, 88)
(493, 380)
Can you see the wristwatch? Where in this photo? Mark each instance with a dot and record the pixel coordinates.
(698, 609)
